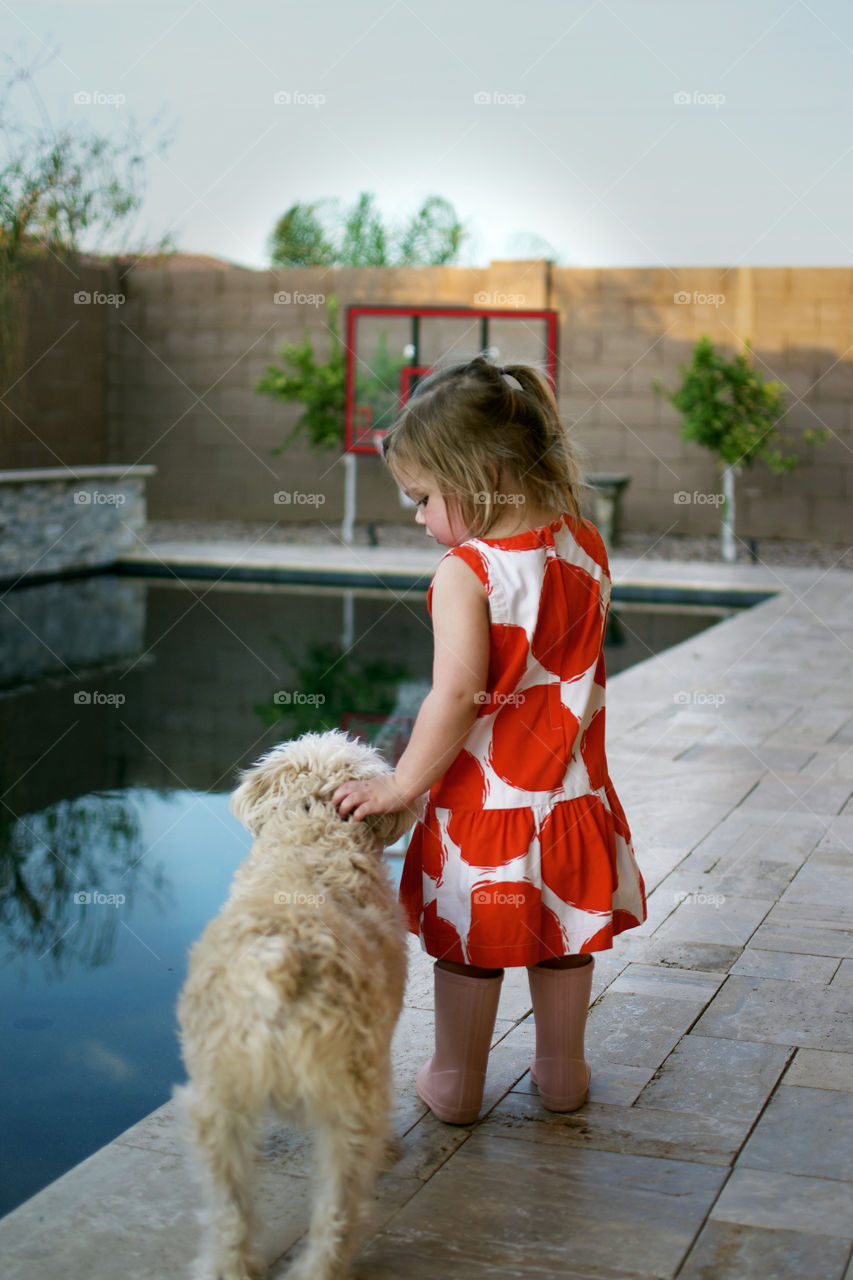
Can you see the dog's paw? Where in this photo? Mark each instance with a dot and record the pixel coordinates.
(248, 1267)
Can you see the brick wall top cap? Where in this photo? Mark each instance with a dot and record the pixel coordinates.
(26, 475)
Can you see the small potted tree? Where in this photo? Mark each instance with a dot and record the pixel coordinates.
(727, 406)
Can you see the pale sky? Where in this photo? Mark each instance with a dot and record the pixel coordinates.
(581, 143)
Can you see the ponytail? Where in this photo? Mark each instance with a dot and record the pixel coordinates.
(464, 421)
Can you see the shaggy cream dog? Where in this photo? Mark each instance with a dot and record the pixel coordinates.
(291, 1000)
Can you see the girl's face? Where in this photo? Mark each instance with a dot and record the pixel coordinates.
(441, 519)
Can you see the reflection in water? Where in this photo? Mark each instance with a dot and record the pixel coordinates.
(332, 686)
(59, 868)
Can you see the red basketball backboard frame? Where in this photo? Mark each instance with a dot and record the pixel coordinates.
(358, 437)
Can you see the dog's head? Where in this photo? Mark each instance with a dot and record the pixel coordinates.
(310, 769)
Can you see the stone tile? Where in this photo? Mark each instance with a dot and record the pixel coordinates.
(744, 839)
(711, 1076)
(133, 1210)
(821, 1069)
(785, 1201)
(642, 1131)
(843, 976)
(712, 957)
(609, 964)
(780, 1012)
(793, 966)
(816, 724)
(791, 792)
(755, 877)
(752, 730)
(704, 918)
(762, 756)
(636, 1030)
(824, 931)
(659, 905)
(838, 835)
(613, 1083)
(667, 983)
(412, 1045)
(845, 734)
(656, 861)
(515, 1000)
(158, 1131)
(729, 1251)
(509, 1061)
(685, 817)
(539, 1212)
(834, 762)
(823, 879)
(805, 1131)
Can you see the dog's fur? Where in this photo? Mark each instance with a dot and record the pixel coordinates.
(291, 1000)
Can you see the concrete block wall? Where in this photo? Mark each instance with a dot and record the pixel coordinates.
(621, 329)
(168, 378)
(187, 359)
(54, 403)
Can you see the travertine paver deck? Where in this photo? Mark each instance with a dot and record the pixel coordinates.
(716, 1142)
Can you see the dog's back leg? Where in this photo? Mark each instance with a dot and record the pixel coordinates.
(349, 1150)
(225, 1144)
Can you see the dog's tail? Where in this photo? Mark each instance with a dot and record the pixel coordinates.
(278, 967)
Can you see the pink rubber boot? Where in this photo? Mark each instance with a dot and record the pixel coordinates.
(452, 1082)
(560, 1005)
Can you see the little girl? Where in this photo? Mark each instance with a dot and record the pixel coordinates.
(522, 855)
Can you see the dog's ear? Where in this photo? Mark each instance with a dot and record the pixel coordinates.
(388, 827)
(260, 790)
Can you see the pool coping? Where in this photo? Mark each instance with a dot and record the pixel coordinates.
(411, 568)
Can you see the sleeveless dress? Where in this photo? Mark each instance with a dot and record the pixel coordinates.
(523, 852)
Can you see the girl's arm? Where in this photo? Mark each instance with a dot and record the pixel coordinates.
(460, 620)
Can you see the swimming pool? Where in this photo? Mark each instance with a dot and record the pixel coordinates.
(128, 705)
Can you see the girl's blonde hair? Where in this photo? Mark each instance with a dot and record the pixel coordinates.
(463, 422)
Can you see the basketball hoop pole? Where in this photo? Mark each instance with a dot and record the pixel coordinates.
(348, 526)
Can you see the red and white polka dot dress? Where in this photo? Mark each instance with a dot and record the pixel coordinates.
(523, 852)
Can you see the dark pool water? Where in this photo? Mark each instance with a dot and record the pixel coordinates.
(127, 707)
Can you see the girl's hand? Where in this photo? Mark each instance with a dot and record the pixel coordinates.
(377, 795)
